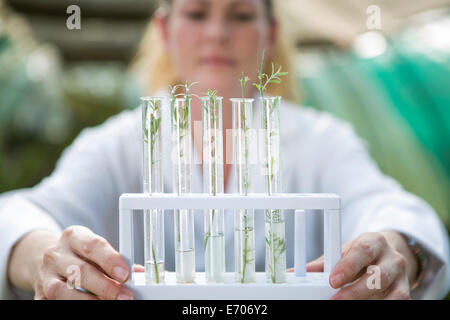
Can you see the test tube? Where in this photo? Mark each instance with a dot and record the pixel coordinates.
(153, 183)
(244, 241)
(182, 165)
(213, 184)
(274, 218)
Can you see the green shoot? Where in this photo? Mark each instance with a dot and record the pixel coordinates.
(243, 82)
(264, 79)
(275, 242)
(180, 124)
(212, 96)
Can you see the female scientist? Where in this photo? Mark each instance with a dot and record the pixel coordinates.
(71, 217)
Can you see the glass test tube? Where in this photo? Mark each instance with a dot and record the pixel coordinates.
(274, 218)
(182, 164)
(244, 241)
(153, 183)
(213, 184)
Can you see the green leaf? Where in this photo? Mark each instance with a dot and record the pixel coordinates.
(175, 114)
(186, 112)
(262, 62)
(267, 241)
(206, 239)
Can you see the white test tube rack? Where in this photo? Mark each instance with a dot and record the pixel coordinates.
(299, 285)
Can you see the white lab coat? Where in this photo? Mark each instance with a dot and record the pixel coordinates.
(319, 154)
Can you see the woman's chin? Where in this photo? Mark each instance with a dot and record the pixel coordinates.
(219, 69)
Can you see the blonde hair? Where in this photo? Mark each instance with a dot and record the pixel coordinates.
(154, 71)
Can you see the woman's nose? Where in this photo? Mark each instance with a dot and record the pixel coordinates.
(217, 30)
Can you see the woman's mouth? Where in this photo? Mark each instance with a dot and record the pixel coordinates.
(217, 61)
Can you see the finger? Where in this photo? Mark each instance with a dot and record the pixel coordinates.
(98, 250)
(315, 265)
(399, 290)
(82, 274)
(57, 289)
(138, 268)
(39, 291)
(377, 279)
(361, 254)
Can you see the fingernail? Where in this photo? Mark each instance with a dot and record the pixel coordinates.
(123, 296)
(120, 273)
(337, 280)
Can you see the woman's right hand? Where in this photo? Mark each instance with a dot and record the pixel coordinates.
(80, 258)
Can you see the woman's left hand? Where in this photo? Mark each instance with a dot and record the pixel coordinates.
(390, 259)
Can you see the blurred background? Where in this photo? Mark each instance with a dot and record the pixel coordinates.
(392, 84)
